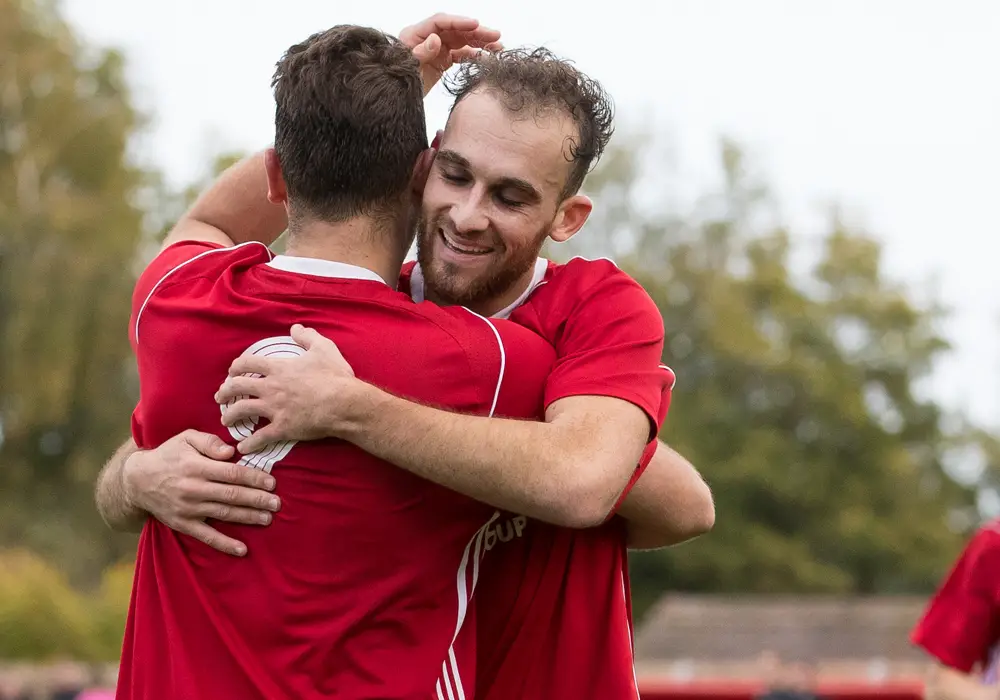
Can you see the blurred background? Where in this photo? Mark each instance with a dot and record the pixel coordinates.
(807, 189)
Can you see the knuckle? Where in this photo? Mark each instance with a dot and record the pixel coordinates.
(230, 494)
(223, 512)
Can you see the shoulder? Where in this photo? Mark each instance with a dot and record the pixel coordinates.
(189, 259)
(591, 296)
(582, 282)
(985, 543)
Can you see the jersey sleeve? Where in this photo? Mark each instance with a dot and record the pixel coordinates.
(647, 454)
(609, 340)
(169, 259)
(962, 620)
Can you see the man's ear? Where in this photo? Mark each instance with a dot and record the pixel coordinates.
(421, 170)
(277, 192)
(570, 217)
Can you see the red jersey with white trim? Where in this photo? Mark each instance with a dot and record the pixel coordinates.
(554, 604)
(961, 626)
(361, 584)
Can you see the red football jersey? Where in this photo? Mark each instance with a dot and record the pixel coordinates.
(554, 604)
(961, 626)
(360, 586)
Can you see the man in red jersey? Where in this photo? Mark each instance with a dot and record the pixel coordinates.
(961, 626)
(362, 584)
(600, 628)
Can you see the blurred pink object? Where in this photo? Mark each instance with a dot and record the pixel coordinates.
(96, 694)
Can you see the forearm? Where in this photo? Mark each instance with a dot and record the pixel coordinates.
(549, 471)
(112, 501)
(945, 683)
(669, 504)
(237, 204)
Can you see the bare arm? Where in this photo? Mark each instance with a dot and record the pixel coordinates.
(235, 209)
(945, 683)
(113, 504)
(569, 470)
(669, 504)
(181, 483)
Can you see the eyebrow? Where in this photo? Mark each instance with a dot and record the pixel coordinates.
(524, 186)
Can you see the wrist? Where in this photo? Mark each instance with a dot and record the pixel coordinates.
(357, 410)
(126, 480)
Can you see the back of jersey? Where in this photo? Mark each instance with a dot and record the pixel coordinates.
(361, 583)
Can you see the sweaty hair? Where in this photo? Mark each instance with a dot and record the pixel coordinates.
(539, 80)
(349, 123)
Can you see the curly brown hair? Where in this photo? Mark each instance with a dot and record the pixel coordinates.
(538, 79)
(349, 123)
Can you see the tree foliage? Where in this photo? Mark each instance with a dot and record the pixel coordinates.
(798, 396)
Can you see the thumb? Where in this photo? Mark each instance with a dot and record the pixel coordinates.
(209, 445)
(428, 50)
(306, 337)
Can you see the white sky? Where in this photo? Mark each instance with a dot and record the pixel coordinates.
(889, 107)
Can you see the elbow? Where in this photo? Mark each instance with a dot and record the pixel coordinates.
(702, 518)
(587, 496)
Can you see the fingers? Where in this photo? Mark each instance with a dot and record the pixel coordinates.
(417, 33)
(260, 439)
(478, 38)
(233, 514)
(245, 409)
(251, 364)
(221, 495)
(427, 52)
(466, 53)
(212, 537)
(237, 475)
(235, 387)
(207, 444)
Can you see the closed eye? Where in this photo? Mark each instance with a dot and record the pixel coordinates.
(456, 179)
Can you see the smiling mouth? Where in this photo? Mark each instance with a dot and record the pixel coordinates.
(462, 248)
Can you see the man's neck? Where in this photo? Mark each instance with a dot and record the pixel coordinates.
(360, 242)
(493, 305)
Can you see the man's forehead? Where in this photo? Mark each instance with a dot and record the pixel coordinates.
(496, 142)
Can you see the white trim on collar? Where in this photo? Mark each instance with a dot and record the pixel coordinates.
(537, 280)
(323, 268)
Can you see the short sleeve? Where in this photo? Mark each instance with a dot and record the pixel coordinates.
(647, 454)
(962, 620)
(169, 259)
(608, 337)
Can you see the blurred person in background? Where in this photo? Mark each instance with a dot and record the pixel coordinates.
(788, 680)
(960, 628)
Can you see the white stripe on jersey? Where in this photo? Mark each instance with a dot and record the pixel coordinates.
(175, 269)
(450, 676)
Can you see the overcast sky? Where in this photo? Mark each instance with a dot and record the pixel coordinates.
(889, 107)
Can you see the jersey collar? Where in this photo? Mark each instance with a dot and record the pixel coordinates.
(322, 268)
(537, 280)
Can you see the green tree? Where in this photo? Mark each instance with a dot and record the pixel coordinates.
(796, 396)
(71, 216)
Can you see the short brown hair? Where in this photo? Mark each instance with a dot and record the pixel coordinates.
(538, 79)
(349, 122)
